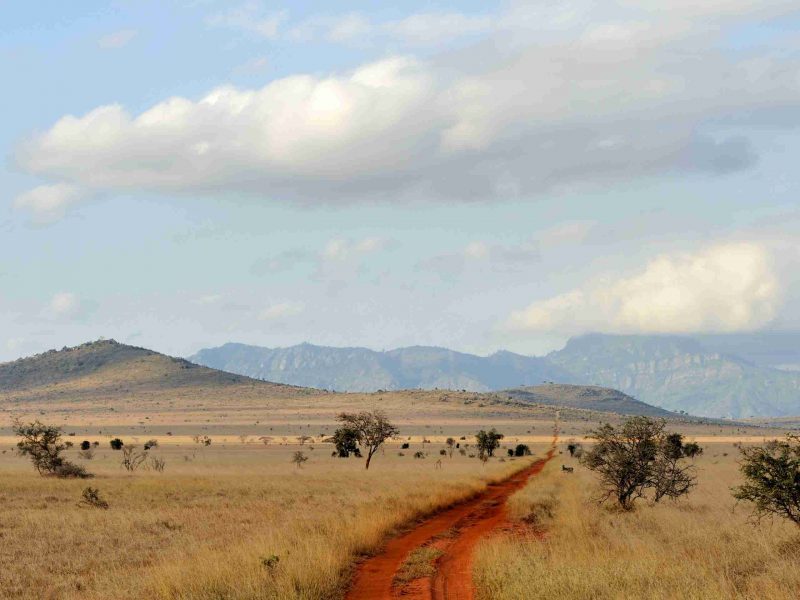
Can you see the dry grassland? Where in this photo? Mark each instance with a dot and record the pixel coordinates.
(702, 547)
(211, 525)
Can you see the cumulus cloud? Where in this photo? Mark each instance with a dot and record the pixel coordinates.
(118, 39)
(48, 203)
(722, 288)
(280, 311)
(562, 95)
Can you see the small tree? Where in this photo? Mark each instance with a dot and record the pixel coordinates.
(772, 479)
(451, 445)
(372, 429)
(636, 458)
(299, 458)
(488, 442)
(116, 444)
(43, 444)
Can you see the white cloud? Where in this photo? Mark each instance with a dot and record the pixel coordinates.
(568, 232)
(252, 17)
(340, 249)
(556, 99)
(722, 288)
(254, 65)
(118, 39)
(64, 305)
(479, 255)
(349, 27)
(281, 311)
(440, 27)
(48, 203)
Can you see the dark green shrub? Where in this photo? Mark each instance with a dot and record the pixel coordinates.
(522, 450)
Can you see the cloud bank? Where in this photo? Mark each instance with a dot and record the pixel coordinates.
(723, 288)
(557, 96)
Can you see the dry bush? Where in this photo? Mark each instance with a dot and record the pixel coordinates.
(132, 459)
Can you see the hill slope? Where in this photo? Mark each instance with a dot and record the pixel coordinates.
(587, 397)
(364, 370)
(108, 368)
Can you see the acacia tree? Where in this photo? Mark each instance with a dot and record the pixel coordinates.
(639, 457)
(371, 430)
(43, 444)
(772, 479)
(488, 442)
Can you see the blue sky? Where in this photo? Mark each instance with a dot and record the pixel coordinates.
(477, 175)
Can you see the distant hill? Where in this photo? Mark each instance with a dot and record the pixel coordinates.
(586, 397)
(107, 368)
(364, 370)
(700, 375)
(681, 373)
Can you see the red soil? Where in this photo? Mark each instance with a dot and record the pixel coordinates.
(472, 520)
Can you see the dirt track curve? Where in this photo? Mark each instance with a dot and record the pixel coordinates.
(455, 531)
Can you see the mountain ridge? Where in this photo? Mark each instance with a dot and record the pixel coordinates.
(697, 375)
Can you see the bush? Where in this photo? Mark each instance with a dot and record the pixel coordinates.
(692, 449)
(68, 470)
(150, 444)
(772, 479)
(443, 452)
(299, 458)
(85, 445)
(116, 444)
(522, 450)
(91, 497)
(404, 446)
(419, 454)
(158, 464)
(510, 452)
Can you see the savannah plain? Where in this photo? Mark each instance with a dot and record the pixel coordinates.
(232, 517)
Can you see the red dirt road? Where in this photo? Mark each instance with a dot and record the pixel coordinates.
(472, 520)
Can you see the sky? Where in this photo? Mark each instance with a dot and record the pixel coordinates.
(475, 175)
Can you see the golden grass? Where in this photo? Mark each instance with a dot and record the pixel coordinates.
(206, 528)
(700, 548)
